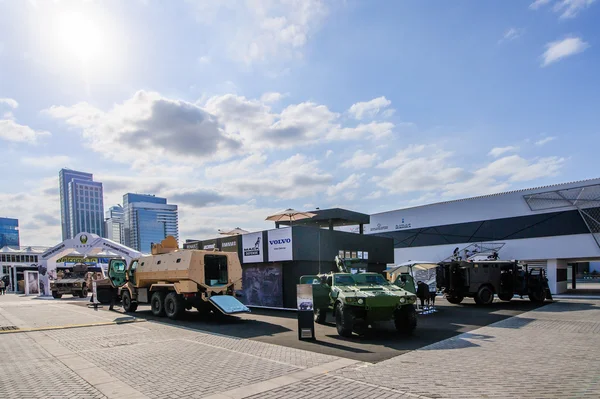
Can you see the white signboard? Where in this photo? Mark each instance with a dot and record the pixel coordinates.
(252, 248)
(280, 244)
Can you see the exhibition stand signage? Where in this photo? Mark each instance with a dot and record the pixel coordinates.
(306, 322)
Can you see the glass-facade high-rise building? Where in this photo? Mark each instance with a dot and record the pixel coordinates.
(148, 219)
(115, 224)
(81, 204)
(9, 232)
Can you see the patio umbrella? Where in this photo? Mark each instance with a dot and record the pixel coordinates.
(290, 215)
(234, 232)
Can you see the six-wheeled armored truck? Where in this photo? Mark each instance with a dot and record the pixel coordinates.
(173, 280)
(358, 300)
(76, 282)
(481, 280)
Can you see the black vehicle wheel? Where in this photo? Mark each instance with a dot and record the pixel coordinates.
(344, 320)
(505, 297)
(405, 319)
(455, 299)
(485, 296)
(56, 295)
(157, 303)
(537, 296)
(174, 306)
(83, 293)
(104, 295)
(128, 304)
(320, 316)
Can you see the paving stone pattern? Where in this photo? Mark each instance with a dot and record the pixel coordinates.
(28, 371)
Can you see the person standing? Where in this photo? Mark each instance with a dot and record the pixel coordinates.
(2, 287)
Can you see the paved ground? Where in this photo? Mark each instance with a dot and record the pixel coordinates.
(280, 327)
(550, 352)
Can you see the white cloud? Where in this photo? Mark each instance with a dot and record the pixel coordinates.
(150, 126)
(545, 140)
(328, 153)
(511, 34)
(48, 162)
(271, 97)
(566, 8)
(360, 160)
(347, 187)
(369, 109)
(570, 8)
(375, 195)
(12, 131)
(205, 59)
(402, 156)
(9, 102)
(538, 3)
(497, 151)
(560, 49)
(264, 30)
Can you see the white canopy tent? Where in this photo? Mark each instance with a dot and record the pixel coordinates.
(84, 244)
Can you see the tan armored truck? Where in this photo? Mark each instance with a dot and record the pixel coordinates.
(173, 280)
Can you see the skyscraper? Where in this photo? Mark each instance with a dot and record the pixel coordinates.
(115, 224)
(81, 204)
(148, 219)
(9, 232)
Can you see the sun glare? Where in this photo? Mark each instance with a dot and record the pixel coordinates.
(79, 37)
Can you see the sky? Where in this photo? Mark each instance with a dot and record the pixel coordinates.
(237, 109)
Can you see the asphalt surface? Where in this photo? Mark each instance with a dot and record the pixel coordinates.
(380, 343)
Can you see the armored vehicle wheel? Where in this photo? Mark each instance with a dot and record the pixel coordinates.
(405, 319)
(455, 299)
(173, 305)
(344, 320)
(537, 296)
(320, 316)
(104, 295)
(128, 304)
(56, 295)
(485, 296)
(157, 303)
(505, 297)
(83, 293)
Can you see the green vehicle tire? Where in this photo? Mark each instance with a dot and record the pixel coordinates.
(344, 320)
(485, 296)
(83, 293)
(320, 316)
(405, 319)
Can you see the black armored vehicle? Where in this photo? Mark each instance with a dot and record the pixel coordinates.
(482, 279)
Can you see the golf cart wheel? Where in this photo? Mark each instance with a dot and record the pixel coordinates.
(174, 306)
(320, 316)
(537, 296)
(128, 304)
(455, 299)
(344, 320)
(485, 296)
(505, 297)
(56, 295)
(405, 319)
(157, 303)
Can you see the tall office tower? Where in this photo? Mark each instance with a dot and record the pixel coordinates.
(115, 224)
(148, 219)
(81, 204)
(9, 232)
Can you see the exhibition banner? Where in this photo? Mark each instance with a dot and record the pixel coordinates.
(209, 245)
(252, 248)
(280, 244)
(32, 283)
(263, 285)
(229, 244)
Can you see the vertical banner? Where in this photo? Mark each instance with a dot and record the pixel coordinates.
(252, 248)
(280, 244)
(32, 283)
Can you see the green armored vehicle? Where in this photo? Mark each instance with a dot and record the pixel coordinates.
(75, 282)
(361, 299)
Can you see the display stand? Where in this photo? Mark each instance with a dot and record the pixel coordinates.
(306, 321)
